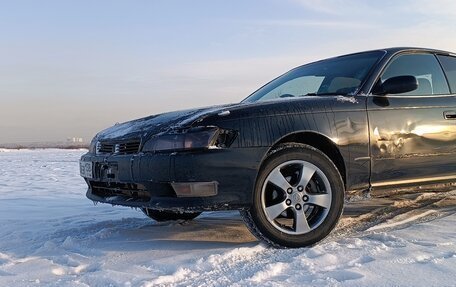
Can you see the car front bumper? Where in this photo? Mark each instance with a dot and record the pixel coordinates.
(147, 179)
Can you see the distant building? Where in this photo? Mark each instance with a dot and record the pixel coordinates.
(75, 140)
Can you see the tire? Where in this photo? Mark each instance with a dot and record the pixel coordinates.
(159, 215)
(298, 197)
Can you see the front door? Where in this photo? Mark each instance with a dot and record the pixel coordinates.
(413, 135)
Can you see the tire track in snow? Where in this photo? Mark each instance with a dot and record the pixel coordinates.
(393, 209)
(250, 265)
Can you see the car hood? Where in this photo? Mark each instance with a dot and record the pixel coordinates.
(161, 123)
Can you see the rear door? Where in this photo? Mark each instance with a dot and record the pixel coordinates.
(413, 135)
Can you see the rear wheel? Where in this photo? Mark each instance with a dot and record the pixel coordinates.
(161, 215)
(298, 198)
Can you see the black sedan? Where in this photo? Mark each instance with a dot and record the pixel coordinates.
(287, 155)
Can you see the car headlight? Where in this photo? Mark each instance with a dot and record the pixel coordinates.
(194, 138)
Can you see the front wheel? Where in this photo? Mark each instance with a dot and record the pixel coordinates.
(298, 198)
(162, 215)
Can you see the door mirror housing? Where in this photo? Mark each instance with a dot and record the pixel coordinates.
(397, 85)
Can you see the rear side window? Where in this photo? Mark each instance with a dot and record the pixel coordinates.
(425, 67)
(449, 66)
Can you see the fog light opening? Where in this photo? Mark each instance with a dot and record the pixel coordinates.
(195, 189)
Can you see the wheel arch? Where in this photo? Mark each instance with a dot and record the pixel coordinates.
(320, 142)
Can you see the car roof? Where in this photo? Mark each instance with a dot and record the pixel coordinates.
(395, 50)
(390, 52)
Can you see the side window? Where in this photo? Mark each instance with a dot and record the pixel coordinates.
(295, 87)
(449, 66)
(425, 67)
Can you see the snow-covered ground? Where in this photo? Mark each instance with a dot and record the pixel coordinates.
(51, 235)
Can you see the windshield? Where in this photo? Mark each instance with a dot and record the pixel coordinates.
(336, 76)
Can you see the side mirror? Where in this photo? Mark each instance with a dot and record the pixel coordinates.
(397, 85)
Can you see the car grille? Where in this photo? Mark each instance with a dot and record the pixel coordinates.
(126, 147)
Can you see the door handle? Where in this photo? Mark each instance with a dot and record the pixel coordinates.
(449, 115)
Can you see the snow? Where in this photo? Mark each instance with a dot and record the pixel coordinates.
(51, 235)
(347, 99)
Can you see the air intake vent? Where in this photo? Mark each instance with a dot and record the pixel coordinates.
(125, 147)
(105, 147)
(128, 147)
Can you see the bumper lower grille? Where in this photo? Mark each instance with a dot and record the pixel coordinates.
(126, 147)
(127, 191)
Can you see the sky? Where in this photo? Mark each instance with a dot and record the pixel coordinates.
(72, 68)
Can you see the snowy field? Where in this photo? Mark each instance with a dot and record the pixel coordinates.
(51, 235)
